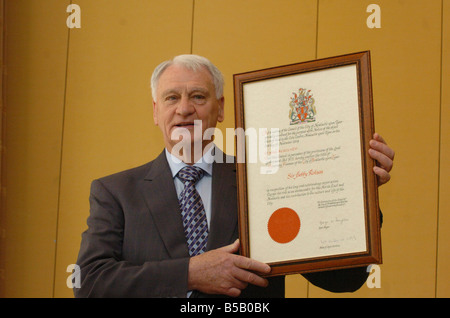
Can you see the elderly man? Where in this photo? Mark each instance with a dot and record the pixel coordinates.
(169, 228)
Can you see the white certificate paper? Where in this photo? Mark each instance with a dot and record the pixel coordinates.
(305, 197)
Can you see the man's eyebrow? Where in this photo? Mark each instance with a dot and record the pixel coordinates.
(198, 89)
(191, 90)
(170, 91)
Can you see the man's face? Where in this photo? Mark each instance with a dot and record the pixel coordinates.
(184, 96)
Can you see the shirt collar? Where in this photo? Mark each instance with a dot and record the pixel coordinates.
(205, 162)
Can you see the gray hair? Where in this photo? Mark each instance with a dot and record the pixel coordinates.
(192, 62)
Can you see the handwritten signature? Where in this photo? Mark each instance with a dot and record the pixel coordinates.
(304, 174)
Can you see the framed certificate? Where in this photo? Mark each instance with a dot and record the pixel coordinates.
(308, 198)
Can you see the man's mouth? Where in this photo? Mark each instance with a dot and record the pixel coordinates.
(189, 124)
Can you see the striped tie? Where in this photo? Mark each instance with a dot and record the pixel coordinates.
(193, 211)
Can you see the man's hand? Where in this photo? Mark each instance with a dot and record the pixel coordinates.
(384, 157)
(222, 272)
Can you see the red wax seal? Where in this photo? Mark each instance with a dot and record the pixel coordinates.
(283, 225)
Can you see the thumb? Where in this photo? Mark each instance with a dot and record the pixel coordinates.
(232, 248)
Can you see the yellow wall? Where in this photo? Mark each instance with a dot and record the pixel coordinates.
(36, 62)
(78, 107)
(443, 264)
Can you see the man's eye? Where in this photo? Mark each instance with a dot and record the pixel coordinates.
(171, 98)
(199, 99)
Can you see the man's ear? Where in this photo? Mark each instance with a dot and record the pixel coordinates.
(221, 113)
(155, 115)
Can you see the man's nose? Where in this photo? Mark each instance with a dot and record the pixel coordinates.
(185, 107)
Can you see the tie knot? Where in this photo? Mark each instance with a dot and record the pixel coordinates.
(190, 174)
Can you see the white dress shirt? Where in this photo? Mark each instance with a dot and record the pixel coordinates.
(203, 186)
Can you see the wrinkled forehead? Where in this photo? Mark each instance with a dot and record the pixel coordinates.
(177, 76)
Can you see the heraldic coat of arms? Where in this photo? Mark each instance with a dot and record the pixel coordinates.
(302, 107)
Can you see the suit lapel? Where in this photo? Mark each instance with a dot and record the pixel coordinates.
(161, 198)
(159, 193)
(223, 226)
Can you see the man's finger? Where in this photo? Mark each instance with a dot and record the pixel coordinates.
(378, 143)
(378, 137)
(250, 278)
(382, 175)
(251, 265)
(383, 161)
(382, 148)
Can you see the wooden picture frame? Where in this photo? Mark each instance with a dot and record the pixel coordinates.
(310, 200)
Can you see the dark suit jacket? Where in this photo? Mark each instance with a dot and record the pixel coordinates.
(135, 245)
